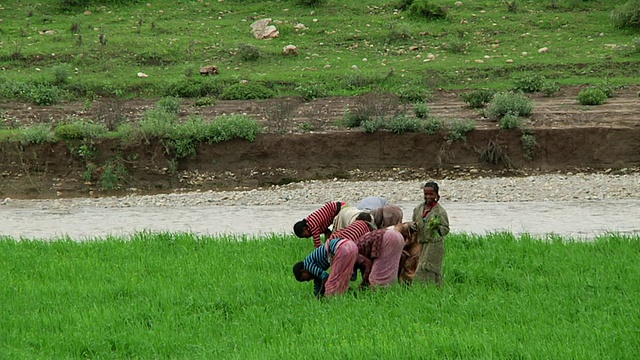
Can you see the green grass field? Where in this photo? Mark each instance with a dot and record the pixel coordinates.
(183, 296)
(50, 44)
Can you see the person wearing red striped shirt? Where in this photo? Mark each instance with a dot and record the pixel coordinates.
(318, 222)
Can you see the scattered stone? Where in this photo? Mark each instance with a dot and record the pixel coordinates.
(87, 12)
(209, 70)
(354, 67)
(479, 61)
(290, 50)
(142, 75)
(543, 50)
(509, 61)
(262, 30)
(458, 3)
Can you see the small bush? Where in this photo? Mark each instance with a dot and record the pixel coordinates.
(455, 46)
(402, 124)
(248, 52)
(433, 126)
(427, 9)
(60, 74)
(529, 143)
(528, 83)
(478, 98)
(194, 88)
(38, 134)
(157, 123)
(312, 3)
(44, 95)
(113, 173)
(312, 91)
(404, 4)
(592, 96)
(357, 80)
(421, 110)
(414, 93)
(206, 101)
(636, 44)
(550, 88)
(372, 125)
(509, 102)
(627, 15)
(510, 121)
(494, 154)
(279, 115)
(458, 129)
(79, 130)
(607, 88)
(247, 91)
(398, 32)
(370, 106)
(169, 104)
(227, 127)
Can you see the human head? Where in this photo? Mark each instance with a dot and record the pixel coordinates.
(431, 192)
(301, 273)
(301, 229)
(364, 216)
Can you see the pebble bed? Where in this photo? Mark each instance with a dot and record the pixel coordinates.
(549, 187)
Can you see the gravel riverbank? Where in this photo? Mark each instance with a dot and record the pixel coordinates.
(550, 187)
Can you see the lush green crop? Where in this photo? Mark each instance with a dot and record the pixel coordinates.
(197, 297)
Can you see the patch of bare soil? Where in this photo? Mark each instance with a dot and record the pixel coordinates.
(568, 136)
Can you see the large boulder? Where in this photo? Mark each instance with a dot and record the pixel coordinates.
(262, 30)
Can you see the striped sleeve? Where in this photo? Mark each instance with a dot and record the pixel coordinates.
(317, 262)
(353, 232)
(320, 220)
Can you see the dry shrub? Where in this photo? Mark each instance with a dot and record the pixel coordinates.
(279, 114)
(372, 106)
(111, 113)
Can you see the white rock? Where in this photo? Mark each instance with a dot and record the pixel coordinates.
(543, 50)
(142, 75)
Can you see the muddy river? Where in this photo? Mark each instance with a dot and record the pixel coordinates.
(583, 220)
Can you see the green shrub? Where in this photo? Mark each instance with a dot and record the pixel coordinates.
(372, 125)
(592, 96)
(529, 83)
(455, 45)
(398, 32)
(607, 88)
(169, 104)
(510, 121)
(157, 123)
(60, 74)
(636, 44)
(113, 173)
(357, 80)
(427, 9)
(312, 3)
(227, 127)
(402, 124)
(412, 93)
(44, 95)
(550, 88)
(206, 101)
(433, 126)
(38, 134)
(248, 52)
(627, 15)
(194, 87)
(79, 130)
(371, 106)
(247, 91)
(312, 91)
(404, 4)
(421, 110)
(458, 129)
(529, 143)
(509, 102)
(14, 89)
(478, 98)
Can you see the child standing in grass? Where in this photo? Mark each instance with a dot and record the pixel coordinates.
(433, 225)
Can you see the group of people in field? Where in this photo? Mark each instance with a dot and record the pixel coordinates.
(371, 238)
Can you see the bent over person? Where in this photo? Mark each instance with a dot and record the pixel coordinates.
(339, 254)
(383, 248)
(432, 225)
(318, 222)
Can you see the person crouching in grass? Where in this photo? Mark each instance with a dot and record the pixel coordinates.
(318, 222)
(339, 254)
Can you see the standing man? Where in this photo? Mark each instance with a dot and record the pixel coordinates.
(318, 222)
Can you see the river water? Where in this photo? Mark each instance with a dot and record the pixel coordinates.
(580, 219)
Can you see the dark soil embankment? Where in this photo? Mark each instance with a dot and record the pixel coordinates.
(50, 170)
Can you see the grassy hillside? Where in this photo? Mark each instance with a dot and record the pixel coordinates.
(345, 47)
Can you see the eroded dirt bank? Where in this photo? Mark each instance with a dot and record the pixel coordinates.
(56, 170)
